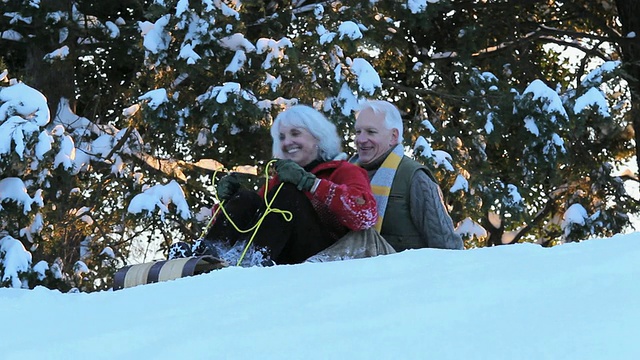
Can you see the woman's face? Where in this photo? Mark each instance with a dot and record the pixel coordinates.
(298, 144)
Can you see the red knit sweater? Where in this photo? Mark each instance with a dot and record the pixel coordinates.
(342, 199)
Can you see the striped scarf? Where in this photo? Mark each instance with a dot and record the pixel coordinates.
(382, 180)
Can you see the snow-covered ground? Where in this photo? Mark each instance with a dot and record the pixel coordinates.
(574, 301)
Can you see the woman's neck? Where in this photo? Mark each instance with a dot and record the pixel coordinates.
(313, 164)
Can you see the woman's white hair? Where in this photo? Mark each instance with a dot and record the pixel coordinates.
(392, 117)
(329, 145)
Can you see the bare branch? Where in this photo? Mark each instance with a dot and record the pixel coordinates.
(580, 35)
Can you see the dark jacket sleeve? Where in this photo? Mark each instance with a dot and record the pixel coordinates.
(429, 214)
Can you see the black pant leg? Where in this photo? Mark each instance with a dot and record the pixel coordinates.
(244, 209)
(292, 242)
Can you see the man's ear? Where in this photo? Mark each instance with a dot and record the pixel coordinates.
(394, 137)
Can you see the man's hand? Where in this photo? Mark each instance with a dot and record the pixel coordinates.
(289, 171)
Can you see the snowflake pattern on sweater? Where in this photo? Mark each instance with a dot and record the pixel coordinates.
(342, 199)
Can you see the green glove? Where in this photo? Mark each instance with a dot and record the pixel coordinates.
(228, 186)
(289, 171)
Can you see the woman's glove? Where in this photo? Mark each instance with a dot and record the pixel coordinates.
(228, 186)
(289, 171)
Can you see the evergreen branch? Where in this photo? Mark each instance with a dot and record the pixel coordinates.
(422, 92)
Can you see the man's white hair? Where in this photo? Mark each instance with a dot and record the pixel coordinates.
(392, 117)
(329, 145)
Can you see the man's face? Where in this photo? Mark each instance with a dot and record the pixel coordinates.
(372, 137)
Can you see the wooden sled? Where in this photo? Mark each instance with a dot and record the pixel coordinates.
(164, 270)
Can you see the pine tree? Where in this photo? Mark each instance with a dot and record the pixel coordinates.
(148, 95)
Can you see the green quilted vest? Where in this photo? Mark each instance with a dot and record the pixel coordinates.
(397, 227)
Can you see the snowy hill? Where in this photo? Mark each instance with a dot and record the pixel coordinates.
(575, 301)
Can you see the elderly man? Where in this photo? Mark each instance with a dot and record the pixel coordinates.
(411, 211)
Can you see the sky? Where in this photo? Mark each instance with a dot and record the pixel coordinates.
(573, 301)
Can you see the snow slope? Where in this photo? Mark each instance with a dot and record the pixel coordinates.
(574, 301)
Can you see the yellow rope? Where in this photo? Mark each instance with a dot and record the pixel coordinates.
(206, 228)
(287, 215)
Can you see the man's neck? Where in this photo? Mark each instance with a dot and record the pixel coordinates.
(376, 163)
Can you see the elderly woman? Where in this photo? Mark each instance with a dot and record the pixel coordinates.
(328, 198)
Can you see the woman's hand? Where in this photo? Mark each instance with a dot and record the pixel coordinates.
(228, 186)
(289, 171)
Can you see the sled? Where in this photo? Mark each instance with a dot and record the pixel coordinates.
(164, 270)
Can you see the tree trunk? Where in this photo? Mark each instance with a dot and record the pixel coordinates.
(628, 11)
(53, 78)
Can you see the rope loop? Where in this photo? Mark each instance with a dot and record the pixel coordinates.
(287, 215)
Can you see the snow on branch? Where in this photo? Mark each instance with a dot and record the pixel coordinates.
(596, 75)
(350, 30)
(16, 259)
(24, 101)
(156, 38)
(470, 228)
(156, 98)
(13, 189)
(161, 196)
(237, 41)
(274, 50)
(550, 98)
(221, 93)
(575, 214)
(592, 98)
(368, 78)
(418, 6)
